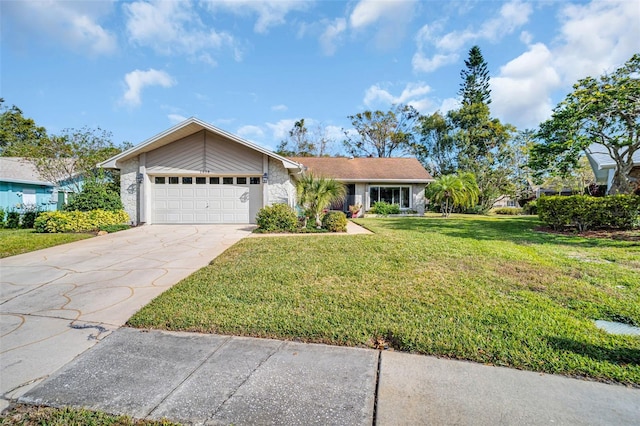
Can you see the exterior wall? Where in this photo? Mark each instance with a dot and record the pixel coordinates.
(362, 195)
(129, 188)
(280, 188)
(204, 152)
(11, 196)
(418, 201)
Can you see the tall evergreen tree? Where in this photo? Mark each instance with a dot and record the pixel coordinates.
(475, 79)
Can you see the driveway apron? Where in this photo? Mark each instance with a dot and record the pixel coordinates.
(57, 302)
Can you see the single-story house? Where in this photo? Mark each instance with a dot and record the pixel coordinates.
(604, 166)
(197, 173)
(399, 181)
(22, 187)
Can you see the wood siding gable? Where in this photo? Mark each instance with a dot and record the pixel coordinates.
(204, 152)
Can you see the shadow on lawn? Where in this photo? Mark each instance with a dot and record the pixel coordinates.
(519, 230)
(620, 356)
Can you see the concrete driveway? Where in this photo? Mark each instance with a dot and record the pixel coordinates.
(57, 302)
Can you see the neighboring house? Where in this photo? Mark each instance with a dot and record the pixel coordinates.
(399, 181)
(22, 187)
(604, 166)
(505, 201)
(197, 173)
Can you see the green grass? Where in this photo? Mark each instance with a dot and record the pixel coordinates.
(18, 241)
(28, 415)
(486, 289)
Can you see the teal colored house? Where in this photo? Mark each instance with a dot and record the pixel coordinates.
(22, 187)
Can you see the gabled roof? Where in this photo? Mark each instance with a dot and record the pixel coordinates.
(601, 159)
(392, 170)
(20, 170)
(181, 130)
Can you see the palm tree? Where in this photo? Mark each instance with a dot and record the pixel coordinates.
(451, 191)
(317, 193)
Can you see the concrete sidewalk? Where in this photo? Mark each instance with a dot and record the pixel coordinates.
(210, 379)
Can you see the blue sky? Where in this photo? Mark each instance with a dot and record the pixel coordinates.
(255, 67)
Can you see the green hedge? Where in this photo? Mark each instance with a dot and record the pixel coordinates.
(78, 221)
(585, 212)
(335, 222)
(384, 208)
(509, 211)
(277, 218)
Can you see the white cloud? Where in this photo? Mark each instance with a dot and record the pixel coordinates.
(74, 24)
(138, 80)
(521, 93)
(270, 13)
(596, 37)
(176, 118)
(390, 18)
(593, 38)
(280, 107)
(511, 16)
(250, 132)
(329, 38)
(281, 129)
(173, 27)
(413, 94)
(424, 64)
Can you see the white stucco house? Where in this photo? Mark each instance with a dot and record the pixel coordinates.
(604, 166)
(197, 173)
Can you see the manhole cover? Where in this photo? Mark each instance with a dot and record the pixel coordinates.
(618, 328)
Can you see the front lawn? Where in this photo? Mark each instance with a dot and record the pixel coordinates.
(486, 289)
(18, 241)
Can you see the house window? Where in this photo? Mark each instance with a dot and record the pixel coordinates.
(400, 195)
(173, 180)
(201, 180)
(241, 181)
(227, 181)
(214, 181)
(187, 180)
(254, 181)
(160, 180)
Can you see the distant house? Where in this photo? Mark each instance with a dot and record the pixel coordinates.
(22, 187)
(399, 181)
(195, 172)
(604, 166)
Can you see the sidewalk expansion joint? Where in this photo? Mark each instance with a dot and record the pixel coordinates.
(208, 357)
(231, 394)
(377, 389)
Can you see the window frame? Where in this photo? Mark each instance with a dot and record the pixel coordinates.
(371, 201)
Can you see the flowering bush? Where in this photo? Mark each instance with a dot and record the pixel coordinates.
(77, 221)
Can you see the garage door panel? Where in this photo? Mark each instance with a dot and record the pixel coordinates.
(204, 203)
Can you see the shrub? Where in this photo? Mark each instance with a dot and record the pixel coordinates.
(2, 213)
(95, 196)
(530, 208)
(335, 222)
(585, 212)
(510, 211)
(384, 208)
(78, 221)
(28, 218)
(13, 220)
(277, 218)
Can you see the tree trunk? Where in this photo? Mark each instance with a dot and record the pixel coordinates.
(621, 183)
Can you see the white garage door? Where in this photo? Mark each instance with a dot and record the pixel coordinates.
(200, 199)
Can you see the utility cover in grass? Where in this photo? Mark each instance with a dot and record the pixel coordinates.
(618, 328)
